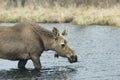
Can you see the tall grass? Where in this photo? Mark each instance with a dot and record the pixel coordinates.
(82, 15)
(98, 16)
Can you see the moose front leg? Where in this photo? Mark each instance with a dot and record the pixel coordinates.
(22, 63)
(36, 61)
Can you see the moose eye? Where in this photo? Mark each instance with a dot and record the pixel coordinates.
(56, 39)
(62, 45)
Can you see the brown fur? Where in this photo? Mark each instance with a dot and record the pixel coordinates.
(25, 41)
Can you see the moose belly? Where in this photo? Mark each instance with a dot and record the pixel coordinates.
(15, 56)
(13, 52)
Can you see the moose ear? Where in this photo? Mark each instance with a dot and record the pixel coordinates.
(64, 33)
(55, 32)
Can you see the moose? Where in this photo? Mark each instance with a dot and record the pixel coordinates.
(27, 40)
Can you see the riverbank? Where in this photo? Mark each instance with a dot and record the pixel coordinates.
(82, 16)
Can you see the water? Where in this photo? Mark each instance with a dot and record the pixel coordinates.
(98, 50)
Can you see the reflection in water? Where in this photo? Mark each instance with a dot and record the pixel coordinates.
(57, 73)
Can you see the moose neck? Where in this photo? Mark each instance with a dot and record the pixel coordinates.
(48, 43)
(46, 36)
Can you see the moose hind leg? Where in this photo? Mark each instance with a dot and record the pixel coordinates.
(21, 64)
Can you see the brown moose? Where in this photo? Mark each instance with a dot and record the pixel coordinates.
(27, 40)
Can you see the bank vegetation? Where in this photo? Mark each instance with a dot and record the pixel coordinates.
(81, 12)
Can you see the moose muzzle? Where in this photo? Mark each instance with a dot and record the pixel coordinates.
(73, 59)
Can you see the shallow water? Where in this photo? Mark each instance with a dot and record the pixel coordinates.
(98, 50)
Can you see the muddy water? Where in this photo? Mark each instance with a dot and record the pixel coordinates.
(98, 50)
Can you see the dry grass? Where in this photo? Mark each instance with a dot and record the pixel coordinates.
(99, 16)
(39, 14)
(81, 15)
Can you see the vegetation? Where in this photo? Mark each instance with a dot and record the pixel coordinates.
(81, 12)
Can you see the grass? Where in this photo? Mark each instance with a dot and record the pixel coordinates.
(98, 16)
(82, 15)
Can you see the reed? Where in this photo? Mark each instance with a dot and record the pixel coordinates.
(98, 16)
(82, 15)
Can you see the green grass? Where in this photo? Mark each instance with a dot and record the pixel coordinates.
(82, 15)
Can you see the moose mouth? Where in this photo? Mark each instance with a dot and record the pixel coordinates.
(73, 59)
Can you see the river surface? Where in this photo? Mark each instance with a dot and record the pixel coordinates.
(98, 50)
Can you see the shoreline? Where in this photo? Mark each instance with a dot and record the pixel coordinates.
(82, 16)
